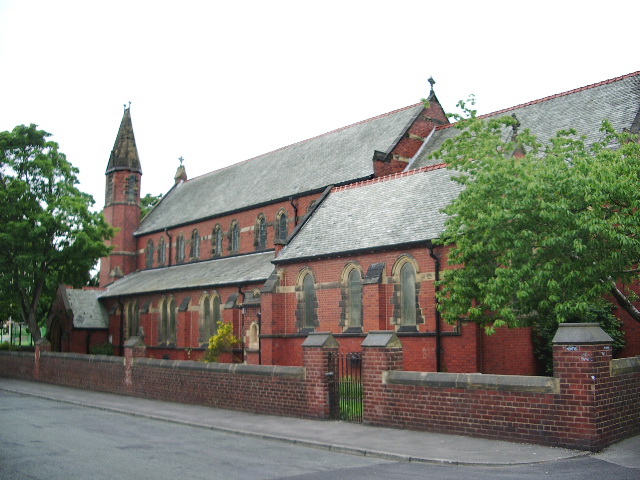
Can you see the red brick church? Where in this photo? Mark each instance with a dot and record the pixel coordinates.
(332, 234)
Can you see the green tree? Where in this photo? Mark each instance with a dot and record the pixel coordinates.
(147, 203)
(542, 231)
(48, 234)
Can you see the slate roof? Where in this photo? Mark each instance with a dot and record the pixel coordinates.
(242, 269)
(87, 311)
(381, 213)
(335, 158)
(584, 109)
(124, 155)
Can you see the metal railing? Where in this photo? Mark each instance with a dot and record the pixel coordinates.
(345, 386)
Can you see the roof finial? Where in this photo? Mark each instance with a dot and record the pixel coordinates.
(181, 173)
(432, 82)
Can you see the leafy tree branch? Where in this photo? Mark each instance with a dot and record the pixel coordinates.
(48, 233)
(542, 230)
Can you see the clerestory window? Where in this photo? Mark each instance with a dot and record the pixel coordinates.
(234, 237)
(281, 227)
(261, 233)
(180, 248)
(216, 241)
(162, 252)
(150, 251)
(195, 245)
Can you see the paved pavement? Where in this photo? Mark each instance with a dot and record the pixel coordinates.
(356, 439)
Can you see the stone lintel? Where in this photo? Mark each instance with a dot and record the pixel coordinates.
(580, 334)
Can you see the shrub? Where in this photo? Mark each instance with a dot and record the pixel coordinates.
(7, 346)
(102, 349)
(222, 341)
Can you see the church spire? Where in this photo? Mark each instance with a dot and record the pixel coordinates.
(124, 155)
(122, 204)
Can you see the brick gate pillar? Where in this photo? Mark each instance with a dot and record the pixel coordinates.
(382, 352)
(133, 348)
(582, 363)
(42, 345)
(315, 350)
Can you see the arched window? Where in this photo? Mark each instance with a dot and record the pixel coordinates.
(216, 241)
(354, 299)
(168, 322)
(162, 252)
(132, 313)
(307, 310)
(408, 295)
(180, 249)
(195, 245)
(406, 313)
(310, 302)
(234, 237)
(150, 254)
(261, 233)
(209, 317)
(281, 226)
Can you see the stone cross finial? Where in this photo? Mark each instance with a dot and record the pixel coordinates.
(181, 160)
(432, 82)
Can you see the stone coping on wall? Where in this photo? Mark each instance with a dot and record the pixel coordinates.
(620, 366)
(235, 368)
(16, 353)
(230, 368)
(474, 381)
(84, 357)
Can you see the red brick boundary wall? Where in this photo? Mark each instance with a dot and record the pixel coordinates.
(278, 390)
(591, 402)
(19, 365)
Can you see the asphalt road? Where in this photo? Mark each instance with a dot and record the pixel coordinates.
(45, 439)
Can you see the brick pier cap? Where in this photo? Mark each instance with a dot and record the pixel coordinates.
(581, 333)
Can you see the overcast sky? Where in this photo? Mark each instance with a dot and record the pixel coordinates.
(220, 82)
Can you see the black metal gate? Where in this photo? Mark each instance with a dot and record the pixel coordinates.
(345, 386)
